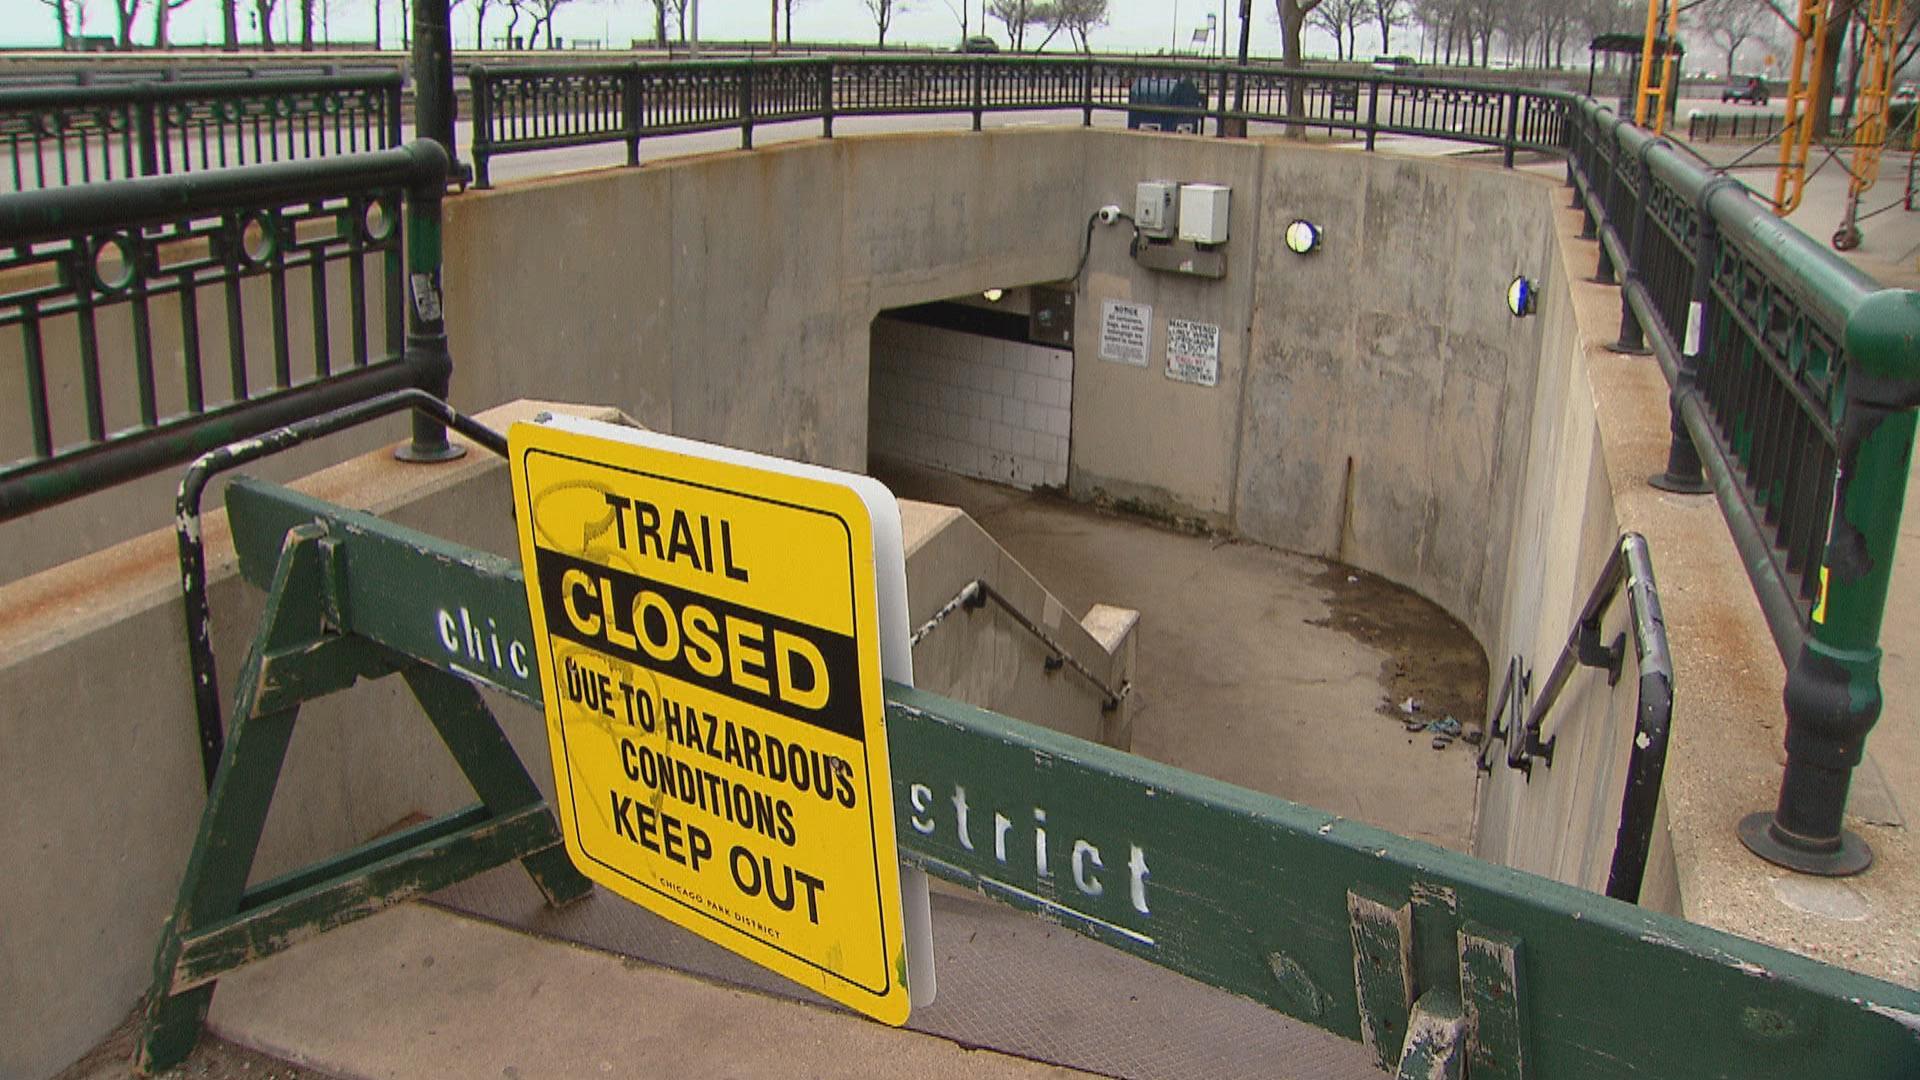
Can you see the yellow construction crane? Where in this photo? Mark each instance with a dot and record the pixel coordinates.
(1796, 134)
(1870, 128)
(1656, 94)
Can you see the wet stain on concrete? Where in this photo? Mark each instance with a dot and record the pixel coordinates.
(1430, 656)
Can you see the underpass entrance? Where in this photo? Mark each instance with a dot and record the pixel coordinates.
(980, 386)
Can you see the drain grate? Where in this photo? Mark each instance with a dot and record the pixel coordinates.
(1008, 982)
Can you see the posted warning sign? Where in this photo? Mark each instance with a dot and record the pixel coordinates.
(708, 643)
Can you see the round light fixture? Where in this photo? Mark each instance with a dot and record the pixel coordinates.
(1520, 296)
(1302, 236)
(993, 295)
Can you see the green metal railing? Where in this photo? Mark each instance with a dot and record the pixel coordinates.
(59, 135)
(522, 109)
(156, 318)
(1794, 380)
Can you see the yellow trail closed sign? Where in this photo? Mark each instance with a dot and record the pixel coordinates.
(708, 638)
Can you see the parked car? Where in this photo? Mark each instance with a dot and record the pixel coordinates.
(1752, 90)
(979, 43)
(1906, 94)
(1394, 63)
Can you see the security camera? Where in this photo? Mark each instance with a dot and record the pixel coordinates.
(1109, 214)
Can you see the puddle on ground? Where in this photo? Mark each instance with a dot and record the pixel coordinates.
(1431, 657)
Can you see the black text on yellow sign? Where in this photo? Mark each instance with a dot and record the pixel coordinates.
(707, 637)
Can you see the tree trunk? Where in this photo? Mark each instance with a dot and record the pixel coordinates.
(124, 10)
(306, 24)
(659, 23)
(376, 25)
(1823, 86)
(480, 24)
(789, 33)
(264, 10)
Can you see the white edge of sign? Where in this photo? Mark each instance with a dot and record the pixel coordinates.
(896, 636)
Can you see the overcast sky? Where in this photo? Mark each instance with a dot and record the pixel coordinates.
(1133, 25)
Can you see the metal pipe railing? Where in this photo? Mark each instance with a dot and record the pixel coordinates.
(1628, 568)
(192, 551)
(1795, 381)
(975, 594)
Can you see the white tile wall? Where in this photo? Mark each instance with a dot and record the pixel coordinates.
(978, 406)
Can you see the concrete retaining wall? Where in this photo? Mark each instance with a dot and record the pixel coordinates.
(730, 297)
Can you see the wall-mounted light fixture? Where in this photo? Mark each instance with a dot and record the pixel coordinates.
(993, 295)
(1303, 237)
(1520, 296)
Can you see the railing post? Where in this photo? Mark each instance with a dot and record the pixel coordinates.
(481, 143)
(1220, 111)
(1603, 264)
(426, 318)
(1373, 112)
(1833, 687)
(745, 70)
(433, 102)
(826, 98)
(1513, 126)
(1683, 475)
(979, 68)
(1633, 339)
(1086, 92)
(634, 108)
(146, 126)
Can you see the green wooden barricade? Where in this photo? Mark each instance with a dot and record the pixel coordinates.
(1442, 964)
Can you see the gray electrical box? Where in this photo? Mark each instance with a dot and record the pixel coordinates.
(1156, 208)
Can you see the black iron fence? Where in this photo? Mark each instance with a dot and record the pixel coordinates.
(55, 136)
(1794, 382)
(133, 312)
(528, 108)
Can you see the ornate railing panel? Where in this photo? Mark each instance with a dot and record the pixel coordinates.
(524, 109)
(54, 136)
(155, 318)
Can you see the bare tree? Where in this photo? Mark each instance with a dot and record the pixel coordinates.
(1340, 18)
(883, 12)
(263, 15)
(959, 12)
(126, 12)
(162, 13)
(1388, 14)
(1293, 17)
(543, 12)
(1016, 15)
(789, 5)
(1079, 17)
(60, 9)
(1730, 24)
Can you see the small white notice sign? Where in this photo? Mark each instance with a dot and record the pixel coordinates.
(1126, 332)
(1193, 352)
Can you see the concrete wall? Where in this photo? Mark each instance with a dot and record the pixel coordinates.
(970, 404)
(730, 297)
(1138, 435)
